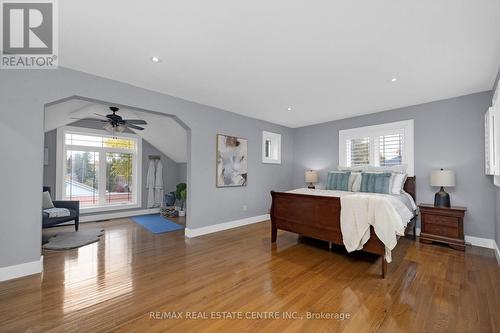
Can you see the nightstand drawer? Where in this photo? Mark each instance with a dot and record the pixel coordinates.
(441, 229)
(451, 221)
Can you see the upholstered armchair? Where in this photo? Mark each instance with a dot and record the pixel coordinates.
(72, 206)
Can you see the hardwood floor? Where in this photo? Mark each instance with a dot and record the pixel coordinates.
(115, 284)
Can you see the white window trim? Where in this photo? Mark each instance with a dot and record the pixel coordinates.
(406, 127)
(495, 139)
(275, 141)
(136, 167)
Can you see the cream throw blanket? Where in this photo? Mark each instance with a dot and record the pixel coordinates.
(360, 211)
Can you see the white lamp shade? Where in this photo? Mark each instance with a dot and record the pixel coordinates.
(311, 176)
(443, 178)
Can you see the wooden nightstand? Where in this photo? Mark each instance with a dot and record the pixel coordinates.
(443, 225)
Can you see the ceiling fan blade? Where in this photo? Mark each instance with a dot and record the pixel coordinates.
(135, 127)
(91, 119)
(100, 115)
(135, 121)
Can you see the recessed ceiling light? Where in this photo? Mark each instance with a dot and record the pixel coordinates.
(155, 59)
(394, 79)
(289, 108)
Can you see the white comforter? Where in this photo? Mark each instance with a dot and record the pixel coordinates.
(386, 213)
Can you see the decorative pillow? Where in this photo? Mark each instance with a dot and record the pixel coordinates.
(356, 185)
(352, 179)
(397, 182)
(375, 182)
(338, 180)
(47, 201)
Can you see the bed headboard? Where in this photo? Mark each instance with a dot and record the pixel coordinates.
(411, 187)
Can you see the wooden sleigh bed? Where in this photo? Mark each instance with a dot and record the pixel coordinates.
(318, 217)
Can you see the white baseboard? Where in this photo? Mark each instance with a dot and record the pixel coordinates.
(481, 242)
(118, 215)
(17, 271)
(497, 253)
(477, 241)
(190, 233)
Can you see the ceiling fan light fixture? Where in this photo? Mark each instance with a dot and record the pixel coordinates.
(120, 128)
(108, 127)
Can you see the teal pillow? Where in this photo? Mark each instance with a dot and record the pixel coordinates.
(375, 182)
(338, 180)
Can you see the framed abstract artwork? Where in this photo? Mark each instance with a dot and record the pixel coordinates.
(232, 161)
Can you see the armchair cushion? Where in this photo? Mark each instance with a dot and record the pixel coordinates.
(47, 201)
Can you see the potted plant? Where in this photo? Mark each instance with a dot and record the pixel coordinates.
(181, 195)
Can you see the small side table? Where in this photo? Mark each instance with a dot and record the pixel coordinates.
(443, 225)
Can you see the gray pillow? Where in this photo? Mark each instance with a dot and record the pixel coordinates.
(338, 180)
(375, 182)
(47, 201)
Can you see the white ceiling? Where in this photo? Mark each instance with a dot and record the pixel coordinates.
(327, 59)
(163, 132)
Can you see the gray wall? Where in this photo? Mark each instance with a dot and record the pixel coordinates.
(181, 172)
(170, 167)
(448, 134)
(23, 95)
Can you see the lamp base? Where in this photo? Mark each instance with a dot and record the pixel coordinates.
(311, 186)
(442, 199)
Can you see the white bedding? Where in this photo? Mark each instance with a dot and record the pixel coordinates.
(388, 214)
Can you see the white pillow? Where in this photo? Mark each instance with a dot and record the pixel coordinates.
(398, 182)
(352, 168)
(352, 179)
(396, 168)
(356, 185)
(47, 201)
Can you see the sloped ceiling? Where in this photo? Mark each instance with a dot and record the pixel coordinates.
(163, 132)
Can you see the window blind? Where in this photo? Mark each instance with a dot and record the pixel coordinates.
(390, 148)
(358, 151)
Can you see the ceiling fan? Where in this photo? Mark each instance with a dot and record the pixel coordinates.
(115, 123)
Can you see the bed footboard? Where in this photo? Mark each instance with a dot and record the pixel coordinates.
(316, 217)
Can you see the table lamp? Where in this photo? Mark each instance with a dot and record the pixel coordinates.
(442, 178)
(311, 178)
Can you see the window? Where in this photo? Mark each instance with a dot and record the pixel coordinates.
(271, 147)
(380, 145)
(358, 151)
(493, 138)
(98, 169)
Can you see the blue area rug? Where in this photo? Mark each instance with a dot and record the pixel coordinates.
(156, 223)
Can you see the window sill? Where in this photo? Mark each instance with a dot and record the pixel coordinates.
(107, 208)
(271, 161)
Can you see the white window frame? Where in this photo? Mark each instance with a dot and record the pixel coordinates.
(136, 166)
(405, 127)
(490, 151)
(495, 135)
(275, 140)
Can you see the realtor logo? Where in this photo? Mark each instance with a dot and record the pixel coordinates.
(29, 34)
